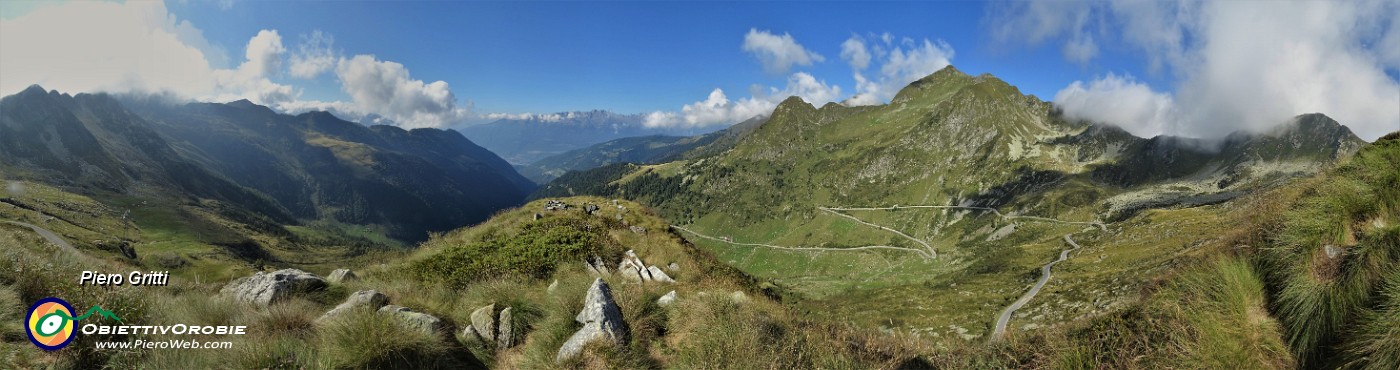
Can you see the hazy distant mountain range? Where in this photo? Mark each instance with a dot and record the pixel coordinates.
(522, 141)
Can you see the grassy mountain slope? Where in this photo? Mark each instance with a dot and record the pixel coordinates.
(952, 139)
(705, 328)
(322, 168)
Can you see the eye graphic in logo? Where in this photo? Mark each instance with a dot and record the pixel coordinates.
(50, 323)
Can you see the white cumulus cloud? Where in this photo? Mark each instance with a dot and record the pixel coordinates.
(1119, 99)
(778, 53)
(385, 88)
(900, 64)
(139, 46)
(314, 56)
(1233, 65)
(718, 109)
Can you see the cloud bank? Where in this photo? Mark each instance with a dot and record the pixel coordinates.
(778, 53)
(1233, 64)
(717, 109)
(143, 48)
(901, 63)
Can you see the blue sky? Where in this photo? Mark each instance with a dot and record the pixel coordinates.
(1152, 67)
(626, 56)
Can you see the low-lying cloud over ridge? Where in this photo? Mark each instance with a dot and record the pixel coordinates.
(1234, 64)
(901, 61)
(142, 48)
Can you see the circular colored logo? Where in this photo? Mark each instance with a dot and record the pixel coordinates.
(50, 323)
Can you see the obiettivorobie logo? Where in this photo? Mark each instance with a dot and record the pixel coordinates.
(50, 323)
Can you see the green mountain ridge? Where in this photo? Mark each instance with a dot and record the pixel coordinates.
(810, 182)
(307, 167)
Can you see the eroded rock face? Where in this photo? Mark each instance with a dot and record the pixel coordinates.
(418, 320)
(601, 319)
(341, 276)
(505, 336)
(659, 276)
(368, 299)
(667, 300)
(265, 288)
(484, 321)
(635, 270)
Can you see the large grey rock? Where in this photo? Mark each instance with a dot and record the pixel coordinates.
(368, 299)
(667, 300)
(632, 268)
(658, 275)
(420, 321)
(484, 320)
(265, 288)
(601, 319)
(505, 337)
(341, 276)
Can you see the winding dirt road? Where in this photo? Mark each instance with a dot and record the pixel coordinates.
(49, 235)
(931, 253)
(802, 249)
(1005, 317)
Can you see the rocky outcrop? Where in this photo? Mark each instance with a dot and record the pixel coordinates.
(667, 300)
(505, 337)
(658, 276)
(738, 297)
(634, 269)
(484, 322)
(596, 267)
(488, 327)
(265, 288)
(366, 299)
(420, 321)
(601, 319)
(340, 276)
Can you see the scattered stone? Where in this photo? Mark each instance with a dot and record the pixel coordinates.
(590, 209)
(484, 320)
(265, 288)
(738, 297)
(1332, 252)
(673, 267)
(638, 229)
(632, 268)
(505, 338)
(658, 275)
(538, 216)
(552, 286)
(667, 300)
(421, 321)
(369, 299)
(555, 205)
(601, 319)
(341, 276)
